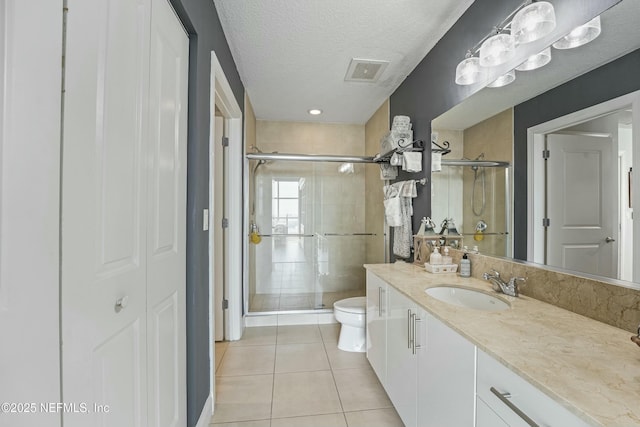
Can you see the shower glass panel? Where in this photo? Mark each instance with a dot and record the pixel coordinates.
(477, 199)
(311, 221)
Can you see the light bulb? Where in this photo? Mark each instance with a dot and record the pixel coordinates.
(536, 61)
(497, 50)
(504, 79)
(533, 22)
(469, 71)
(580, 35)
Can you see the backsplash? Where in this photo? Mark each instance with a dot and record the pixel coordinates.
(608, 303)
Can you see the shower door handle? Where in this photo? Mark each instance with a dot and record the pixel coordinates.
(609, 239)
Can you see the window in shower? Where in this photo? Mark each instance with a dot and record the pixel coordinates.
(285, 206)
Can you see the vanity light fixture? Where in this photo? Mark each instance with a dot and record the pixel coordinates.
(499, 46)
(581, 35)
(315, 112)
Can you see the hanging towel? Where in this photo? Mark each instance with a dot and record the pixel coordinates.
(388, 172)
(399, 208)
(412, 161)
(396, 159)
(436, 162)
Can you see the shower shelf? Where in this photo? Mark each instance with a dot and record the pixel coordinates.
(417, 145)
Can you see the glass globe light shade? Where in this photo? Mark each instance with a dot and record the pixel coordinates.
(536, 61)
(497, 50)
(533, 22)
(580, 35)
(469, 71)
(504, 79)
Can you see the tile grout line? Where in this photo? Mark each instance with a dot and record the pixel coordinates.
(333, 376)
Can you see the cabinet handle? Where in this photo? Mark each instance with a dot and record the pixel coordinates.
(416, 320)
(379, 301)
(504, 397)
(409, 329)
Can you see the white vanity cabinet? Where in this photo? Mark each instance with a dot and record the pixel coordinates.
(512, 399)
(376, 325)
(402, 360)
(446, 375)
(435, 377)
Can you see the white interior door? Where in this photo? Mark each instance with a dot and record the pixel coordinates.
(218, 215)
(166, 231)
(123, 214)
(582, 204)
(104, 211)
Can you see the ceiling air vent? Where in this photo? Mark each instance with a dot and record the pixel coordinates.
(365, 70)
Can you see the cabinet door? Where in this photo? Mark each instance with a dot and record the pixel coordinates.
(401, 361)
(376, 327)
(494, 377)
(446, 375)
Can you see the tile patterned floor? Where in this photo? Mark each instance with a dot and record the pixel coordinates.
(295, 376)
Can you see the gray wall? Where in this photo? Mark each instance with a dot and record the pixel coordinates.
(430, 89)
(205, 35)
(610, 81)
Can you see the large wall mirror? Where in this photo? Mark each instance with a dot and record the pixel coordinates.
(569, 132)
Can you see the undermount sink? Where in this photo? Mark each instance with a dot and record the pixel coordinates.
(467, 298)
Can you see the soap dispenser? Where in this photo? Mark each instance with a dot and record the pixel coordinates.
(446, 258)
(435, 257)
(465, 266)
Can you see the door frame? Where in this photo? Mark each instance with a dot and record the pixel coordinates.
(221, 95)
(536, 173)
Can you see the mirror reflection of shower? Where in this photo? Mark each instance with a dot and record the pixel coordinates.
(478, 172)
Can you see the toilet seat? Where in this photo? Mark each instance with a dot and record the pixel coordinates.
(355, 305)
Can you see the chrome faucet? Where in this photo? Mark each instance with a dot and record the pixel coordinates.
(510, 288)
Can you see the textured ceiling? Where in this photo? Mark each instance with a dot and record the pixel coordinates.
(620, 35)
(292, 55)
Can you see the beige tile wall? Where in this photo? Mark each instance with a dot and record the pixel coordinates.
(376, 128)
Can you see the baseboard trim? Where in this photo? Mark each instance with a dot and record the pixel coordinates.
(206, 414)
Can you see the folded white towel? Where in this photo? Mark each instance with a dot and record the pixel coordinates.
(412, 161)
(436, 162)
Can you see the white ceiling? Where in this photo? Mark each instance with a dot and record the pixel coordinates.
(292, 55)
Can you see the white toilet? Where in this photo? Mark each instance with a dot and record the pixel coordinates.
(351, 313)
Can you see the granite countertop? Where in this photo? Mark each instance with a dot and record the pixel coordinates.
(589, 367)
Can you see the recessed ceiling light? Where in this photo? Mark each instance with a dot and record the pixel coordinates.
(315, 112)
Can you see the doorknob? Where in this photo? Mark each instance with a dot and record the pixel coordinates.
(609, 239)
(122, 303)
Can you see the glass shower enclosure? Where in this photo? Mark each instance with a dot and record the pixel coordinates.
(307, 233)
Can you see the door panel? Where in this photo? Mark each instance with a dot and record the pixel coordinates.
(582, 203)
(104, 224)
(165, 399)
(119, 358)
(167, 181)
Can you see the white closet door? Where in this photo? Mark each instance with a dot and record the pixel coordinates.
(166, 241)
(104, 212)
